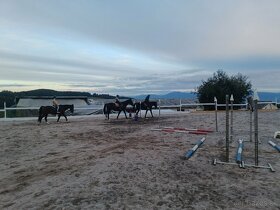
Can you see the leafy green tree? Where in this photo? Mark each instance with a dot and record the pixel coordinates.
(8, 97)
(220, 85)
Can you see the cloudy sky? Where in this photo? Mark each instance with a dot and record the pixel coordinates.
(137, 47)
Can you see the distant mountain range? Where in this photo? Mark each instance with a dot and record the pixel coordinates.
(171, 95)
(264, 96)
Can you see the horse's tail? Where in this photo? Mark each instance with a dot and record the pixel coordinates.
(40, 114)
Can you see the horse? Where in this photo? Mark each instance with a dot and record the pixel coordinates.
(145, 105)
(45, 110)
(112, 107)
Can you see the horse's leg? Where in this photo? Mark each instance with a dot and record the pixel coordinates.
(40, 118)
(59, 115)
(151, 112)
(125, 114)
(46, 118)
(146, 113)
(119, 114)
(65, 117)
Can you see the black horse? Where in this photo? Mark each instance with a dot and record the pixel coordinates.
(112, 107)
(45, 110)
(145, 105)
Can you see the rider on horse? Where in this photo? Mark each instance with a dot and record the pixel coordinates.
(146, 101)
(117, 102)
(55, 104)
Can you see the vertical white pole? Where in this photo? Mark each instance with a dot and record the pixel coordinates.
(227, 129)
(251, 125)
(256, 120)
(216, 113)
(158, 107)
(180, 105)
(140, 108)
(231, 118)
(5, 111)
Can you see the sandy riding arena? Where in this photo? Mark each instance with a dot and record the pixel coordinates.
(93, 163)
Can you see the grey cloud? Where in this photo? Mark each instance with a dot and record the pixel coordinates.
(13, 85)
(174, 30)
(200, 37)
(69, 65)
(244, 63)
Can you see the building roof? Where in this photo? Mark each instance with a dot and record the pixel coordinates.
(37, 101)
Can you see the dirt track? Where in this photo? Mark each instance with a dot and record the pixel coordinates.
(92, 163)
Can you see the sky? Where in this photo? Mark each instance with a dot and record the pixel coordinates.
(137, 47)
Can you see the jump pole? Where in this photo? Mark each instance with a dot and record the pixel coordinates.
(189, 129)
(231, 118)
(227, 129)
(256, 121)
(274, 145)
(251, 110)
(190, 152)
(256, 98)
(179, 131)
(239, 151)
(243, 165)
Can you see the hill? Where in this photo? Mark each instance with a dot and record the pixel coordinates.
(10, 97)
(171, 95)
(267, 96)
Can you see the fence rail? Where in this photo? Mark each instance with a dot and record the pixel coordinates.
(178, 106)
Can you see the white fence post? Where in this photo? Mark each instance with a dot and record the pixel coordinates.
(140, 109)
(216, 112)
(5, 111)
(180, 105)
(158, 107)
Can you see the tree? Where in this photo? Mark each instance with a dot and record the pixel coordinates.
(220, 85)
(8, 97)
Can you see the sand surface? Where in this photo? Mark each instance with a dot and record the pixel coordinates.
(93, 163)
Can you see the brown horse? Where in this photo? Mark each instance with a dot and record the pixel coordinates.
(145, 105)
(44, 111)
(112, 107)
